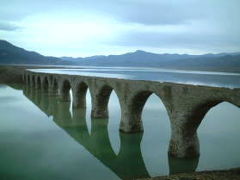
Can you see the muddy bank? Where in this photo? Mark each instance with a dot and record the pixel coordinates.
(232, 174)
(11, 74)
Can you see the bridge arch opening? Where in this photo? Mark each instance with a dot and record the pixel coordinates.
(138, 103)
(106, 112)
(154, 117)
(81, 101)
(45, 83)
(66, 86)
(219, 135)
(29, 79)
(33, 81)
(65, 96)
(38, 82)
(114, 116)
(55, 85)
(64, 91)
(24, 77)
(100, 102)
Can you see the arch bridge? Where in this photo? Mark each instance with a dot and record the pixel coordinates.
(186, 105)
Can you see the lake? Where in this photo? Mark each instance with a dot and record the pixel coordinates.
(215, 79)
(71, 145)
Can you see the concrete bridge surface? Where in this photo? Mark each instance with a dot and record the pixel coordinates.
(186, 105)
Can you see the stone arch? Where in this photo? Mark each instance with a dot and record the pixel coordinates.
(184, 124)
(137, 103)
(223, 119)
(79, 95)
(139, 100)
(131, 120)
(200, 110)
(100, 102)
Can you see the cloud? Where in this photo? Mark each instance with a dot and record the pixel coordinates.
(148, 12)
(121, 25)
(196, 36)
(131, 11)
(5, 26)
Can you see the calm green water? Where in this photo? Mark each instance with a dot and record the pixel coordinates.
(43, 138)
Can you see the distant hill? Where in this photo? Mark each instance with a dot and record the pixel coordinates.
(10, 54)
(211, 62)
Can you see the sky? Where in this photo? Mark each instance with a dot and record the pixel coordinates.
(81, 28)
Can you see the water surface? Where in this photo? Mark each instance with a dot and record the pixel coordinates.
(41, 137)
(216, 79)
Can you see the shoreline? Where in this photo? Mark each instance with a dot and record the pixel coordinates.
(228, 174)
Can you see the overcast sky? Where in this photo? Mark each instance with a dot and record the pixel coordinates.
(93, 27)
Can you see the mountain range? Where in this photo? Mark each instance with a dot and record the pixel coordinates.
(10, 54)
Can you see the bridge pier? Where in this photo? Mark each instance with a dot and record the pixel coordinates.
(184, 141)
(132, 104)
(100, 94)
(130, 123)
(187, 109)
(99, 110)
(100, 99)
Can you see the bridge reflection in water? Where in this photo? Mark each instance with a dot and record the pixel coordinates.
(127, 164)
